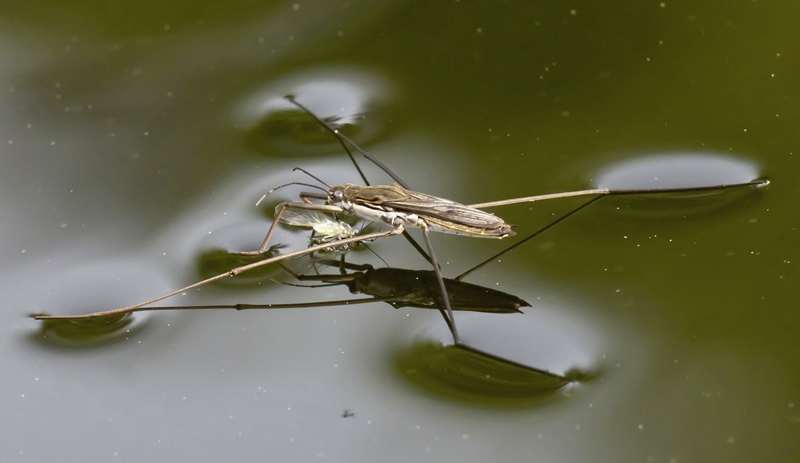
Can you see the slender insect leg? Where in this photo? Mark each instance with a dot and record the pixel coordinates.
(540, 371)
(447, 312)
(342, 139)
(617, 192)
(265, 243)
(601, 193)
(231, 273)
(529, 237)
(291, 305)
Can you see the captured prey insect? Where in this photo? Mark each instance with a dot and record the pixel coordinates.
(329, 230)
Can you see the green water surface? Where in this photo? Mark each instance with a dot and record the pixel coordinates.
(136, 138)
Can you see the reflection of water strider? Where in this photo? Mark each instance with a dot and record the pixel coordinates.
(415, 288)
(397, 287)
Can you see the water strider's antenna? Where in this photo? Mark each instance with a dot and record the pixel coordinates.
(310, 185)
(312, 176)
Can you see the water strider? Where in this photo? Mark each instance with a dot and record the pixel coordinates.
(399, 207)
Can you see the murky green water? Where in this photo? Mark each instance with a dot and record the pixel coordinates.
(136, 139)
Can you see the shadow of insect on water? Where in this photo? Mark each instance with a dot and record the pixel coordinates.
(413, 288)
(457, 371)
